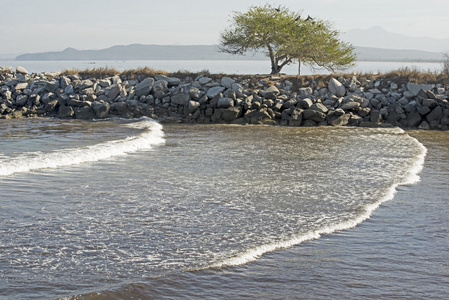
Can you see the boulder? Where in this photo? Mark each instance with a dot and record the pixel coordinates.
(341, 120)
(296, 117)
(225, 103)
(65, 112)
(84, 84)
(414, 88)
(336, 87)
(112, 91)
(215, 91)
(21, 70)
(204, 80)
(305, 92)
(314, 115)
(195, 93)
(230, 114)
(101, 109)
(21, 100)
(435, 115)
(227, 82)
(119, 107)
(84, 113)
(304, 103)
(413, 119)
(271, 93)
(180, 99)
(144, 87)
(319, 107)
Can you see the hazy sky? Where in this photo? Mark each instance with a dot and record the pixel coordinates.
(53, 25)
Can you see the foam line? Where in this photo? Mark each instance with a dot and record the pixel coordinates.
(250, 255)
(29, 161)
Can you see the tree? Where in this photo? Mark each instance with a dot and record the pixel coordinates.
(286, 38)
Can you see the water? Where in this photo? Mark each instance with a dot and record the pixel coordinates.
(213, 66)
(131, 209)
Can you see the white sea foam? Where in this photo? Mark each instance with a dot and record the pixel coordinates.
(29, 161)
(410, 177)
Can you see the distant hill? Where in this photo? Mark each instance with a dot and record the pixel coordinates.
(381, 38)
(141, 52)
(209, 52)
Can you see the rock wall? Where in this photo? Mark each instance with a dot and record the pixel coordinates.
(340, 101)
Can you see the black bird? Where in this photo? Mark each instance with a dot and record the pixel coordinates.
(309, 18)
(297, 19)
(277, 9)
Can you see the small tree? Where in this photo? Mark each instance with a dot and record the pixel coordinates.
(286, 37)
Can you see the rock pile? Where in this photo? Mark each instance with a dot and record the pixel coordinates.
(338, 102)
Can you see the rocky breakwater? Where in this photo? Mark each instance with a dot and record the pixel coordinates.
(353, 101)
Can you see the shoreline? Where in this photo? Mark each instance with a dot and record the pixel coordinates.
(343, 100)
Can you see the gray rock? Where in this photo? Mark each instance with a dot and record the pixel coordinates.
(69, 89)
(21, 86)
(51, 106)
(423, 110)
(84, 113)
(204, 80)
(160, 86)
(413, 119)
(230, 114)
(227, 82)
(101, 109)
(375, 116)
(84, 84)
(351, 105)
(65, 112)
(296, 117)
(193, 105)
(271, 93)
(314, 115)
(415, 88)
(305, 92)
(180, 99)
(215, 91)
(341, 120)
(195, 93)
(238, 89)
(336, 87)
(225, 103)
(21, 70)
(304, 103)
(112, 91)
(435, 115)
(429, 103)
(21, 100)
(319, 107)
(144, 87)
(119, 107)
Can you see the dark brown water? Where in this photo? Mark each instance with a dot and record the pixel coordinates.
(225, 212)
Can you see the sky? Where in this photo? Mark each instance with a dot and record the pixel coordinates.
(29, 26)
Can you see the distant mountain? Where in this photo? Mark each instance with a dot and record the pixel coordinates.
(141, 52)
(380, 38)
(379, 54)
(209, 52)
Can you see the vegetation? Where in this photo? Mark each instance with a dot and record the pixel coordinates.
(286, 37)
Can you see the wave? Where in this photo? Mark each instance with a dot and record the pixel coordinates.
(410, 177)
(152, 135)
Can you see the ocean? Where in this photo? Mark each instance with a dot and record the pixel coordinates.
(237, 67)
(132, 209)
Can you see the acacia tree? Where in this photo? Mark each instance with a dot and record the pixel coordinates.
(286, 38)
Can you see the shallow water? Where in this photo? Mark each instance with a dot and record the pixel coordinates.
(140, 210)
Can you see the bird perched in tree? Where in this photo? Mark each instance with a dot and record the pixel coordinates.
(309, 18)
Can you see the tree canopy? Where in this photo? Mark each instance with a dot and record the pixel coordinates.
(286, 37)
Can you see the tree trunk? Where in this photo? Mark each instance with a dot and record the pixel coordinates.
(299, 67)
